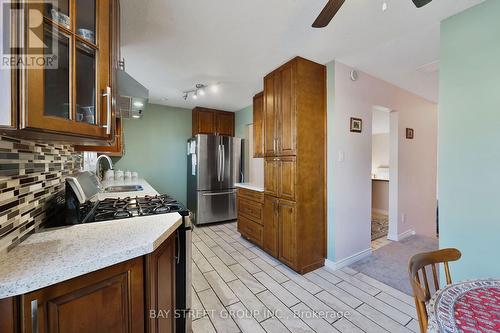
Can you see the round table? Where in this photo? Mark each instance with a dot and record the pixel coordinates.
(470, 306)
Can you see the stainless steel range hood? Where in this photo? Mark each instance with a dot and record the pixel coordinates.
(132, 96)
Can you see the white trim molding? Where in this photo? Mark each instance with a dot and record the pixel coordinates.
(349, 260)
(401, 236)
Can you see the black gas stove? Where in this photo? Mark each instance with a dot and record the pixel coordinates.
(120, 208)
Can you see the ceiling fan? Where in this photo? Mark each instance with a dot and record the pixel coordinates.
(333, 6)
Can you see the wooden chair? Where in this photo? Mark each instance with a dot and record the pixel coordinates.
(417, 267)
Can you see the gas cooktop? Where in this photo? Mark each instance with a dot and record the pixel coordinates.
(113, 209)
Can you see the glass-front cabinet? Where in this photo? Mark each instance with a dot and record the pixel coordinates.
(71, 93)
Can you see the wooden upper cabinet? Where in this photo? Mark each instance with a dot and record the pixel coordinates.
(279, 112)
(74, 96)
(211, 121)
(280, 177)
(203, 121)
(286, 178)
(109, 300)
(270, 118)
(116, 146)
(258, 125)
(271, 176)
(286, 117)
(270, 226)
(224, 123)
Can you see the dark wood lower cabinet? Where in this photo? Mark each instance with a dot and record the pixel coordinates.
(270, 229)
(160, 289)
(9, 315)
(115, 299)
(108, 300)
(287, 231)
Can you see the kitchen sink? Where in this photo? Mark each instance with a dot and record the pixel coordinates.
(123, 188)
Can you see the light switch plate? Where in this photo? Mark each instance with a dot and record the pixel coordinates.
(341, 156)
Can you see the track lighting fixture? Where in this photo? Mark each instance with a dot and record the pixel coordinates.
(200, 90)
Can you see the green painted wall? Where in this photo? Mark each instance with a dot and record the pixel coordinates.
(243, 118)
(155, 146)
(469, 137)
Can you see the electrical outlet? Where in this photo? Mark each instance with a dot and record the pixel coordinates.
(403, 217)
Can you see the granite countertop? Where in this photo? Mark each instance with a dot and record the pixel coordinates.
(250, 186)
(59, 254)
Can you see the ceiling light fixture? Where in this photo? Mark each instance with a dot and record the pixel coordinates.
(215, 87)
(199, 90)
(385, 6)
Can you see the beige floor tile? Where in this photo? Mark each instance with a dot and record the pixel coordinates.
(245, 321)
(284, 295)
(220, 287)
(248, 279)
(203, 325)
(217, 313)
(273, 325)
(249, 300)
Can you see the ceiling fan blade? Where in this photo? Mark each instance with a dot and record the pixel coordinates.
(326, 15)
(421, 3)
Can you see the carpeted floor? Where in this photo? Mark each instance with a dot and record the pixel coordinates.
(380, 225)
(389, 264)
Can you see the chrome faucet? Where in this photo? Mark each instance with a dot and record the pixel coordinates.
(98, 168)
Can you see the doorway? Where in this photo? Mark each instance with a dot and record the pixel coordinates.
(383, 152)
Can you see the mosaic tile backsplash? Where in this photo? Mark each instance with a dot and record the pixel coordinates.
(31, 186)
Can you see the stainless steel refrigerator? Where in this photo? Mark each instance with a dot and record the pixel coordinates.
(213, 168)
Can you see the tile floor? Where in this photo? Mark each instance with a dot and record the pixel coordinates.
(378, 243)
(239, 288)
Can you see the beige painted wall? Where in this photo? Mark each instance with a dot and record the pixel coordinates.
(349, 155)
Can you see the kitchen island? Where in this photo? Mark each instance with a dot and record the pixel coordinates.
(103, 276)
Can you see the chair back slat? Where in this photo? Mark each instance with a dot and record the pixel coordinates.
(435, 275)
(426, 281)
(447, 273)
(417, 266)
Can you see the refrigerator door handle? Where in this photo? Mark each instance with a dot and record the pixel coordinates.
(223, 172)
(218, 193)
(218, 163)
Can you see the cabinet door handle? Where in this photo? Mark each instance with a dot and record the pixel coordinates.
(108, 96)
(34, 316)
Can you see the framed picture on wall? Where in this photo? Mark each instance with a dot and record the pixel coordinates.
(410, 133)
(356, 125)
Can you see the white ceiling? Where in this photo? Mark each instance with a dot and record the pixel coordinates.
(170, 45)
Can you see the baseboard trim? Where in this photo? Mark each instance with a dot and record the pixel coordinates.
(401, 236)
(380, 211)
(349, 260)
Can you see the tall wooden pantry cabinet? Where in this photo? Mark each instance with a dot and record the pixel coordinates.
(294, 116)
